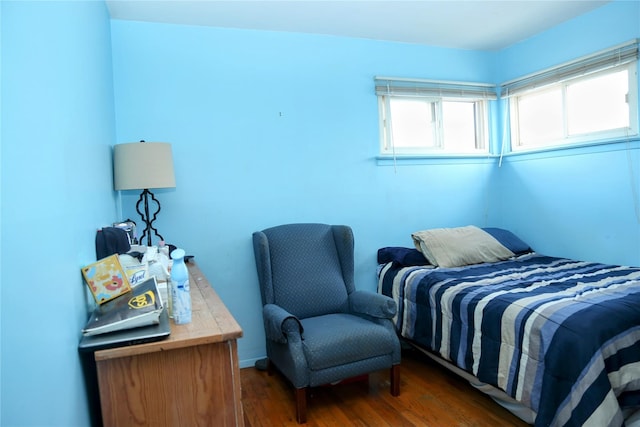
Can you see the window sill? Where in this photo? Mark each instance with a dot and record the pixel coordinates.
(575, 149)
(548, 152)
(425, 159)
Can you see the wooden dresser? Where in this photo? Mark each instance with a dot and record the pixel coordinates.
(190, 379)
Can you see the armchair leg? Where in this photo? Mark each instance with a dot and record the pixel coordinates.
(395, 380)
(265, 365)
(301, 405)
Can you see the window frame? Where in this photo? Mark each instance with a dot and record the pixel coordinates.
(618, 58)
(568, 139)
(435, 93)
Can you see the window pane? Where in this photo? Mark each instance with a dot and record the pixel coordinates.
(540, 117)
(598, 103)
(413, 123)
(458, 122)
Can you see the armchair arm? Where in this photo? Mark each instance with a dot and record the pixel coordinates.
(372, 304)
(278, 323)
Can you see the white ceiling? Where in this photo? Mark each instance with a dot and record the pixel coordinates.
(469, 24)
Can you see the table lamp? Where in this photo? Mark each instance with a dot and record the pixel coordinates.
(141, 166)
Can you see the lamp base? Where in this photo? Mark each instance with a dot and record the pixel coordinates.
(146, 217)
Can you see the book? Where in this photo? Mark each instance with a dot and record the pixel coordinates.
(106, 279)
(141, 306)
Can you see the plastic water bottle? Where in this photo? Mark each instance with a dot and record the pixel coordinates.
(180, 296)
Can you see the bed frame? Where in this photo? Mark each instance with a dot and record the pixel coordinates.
(499, 396)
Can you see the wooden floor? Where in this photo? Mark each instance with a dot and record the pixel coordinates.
(430, 395)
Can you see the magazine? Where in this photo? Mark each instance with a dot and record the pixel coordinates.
(141, 306)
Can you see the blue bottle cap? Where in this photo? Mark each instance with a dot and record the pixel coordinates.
(177, 254)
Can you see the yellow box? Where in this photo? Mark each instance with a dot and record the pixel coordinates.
(106, 279)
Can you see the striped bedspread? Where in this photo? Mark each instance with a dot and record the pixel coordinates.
(561, 336)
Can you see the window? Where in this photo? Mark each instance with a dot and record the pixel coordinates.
(591, 99)
(423, 117)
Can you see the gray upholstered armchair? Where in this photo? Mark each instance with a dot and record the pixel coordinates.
(319, 328)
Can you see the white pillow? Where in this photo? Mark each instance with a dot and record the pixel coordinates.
(456, 247)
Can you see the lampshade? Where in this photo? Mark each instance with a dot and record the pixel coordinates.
(143, 165)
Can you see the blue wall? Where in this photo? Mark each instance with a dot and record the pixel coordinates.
(266, 128)
(269, 128)
(57, 133)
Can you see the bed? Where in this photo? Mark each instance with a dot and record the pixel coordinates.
(555, 340)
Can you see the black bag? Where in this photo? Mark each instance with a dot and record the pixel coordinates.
(111, 240)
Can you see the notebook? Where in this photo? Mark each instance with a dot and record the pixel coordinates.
(127, 337)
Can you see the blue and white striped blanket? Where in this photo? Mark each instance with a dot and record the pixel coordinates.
(558, 335)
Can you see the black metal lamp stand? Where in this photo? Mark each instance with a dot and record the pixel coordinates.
(146, 218)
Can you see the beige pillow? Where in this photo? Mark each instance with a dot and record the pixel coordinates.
(455, 247)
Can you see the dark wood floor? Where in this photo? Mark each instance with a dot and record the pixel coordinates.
(430, 395)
